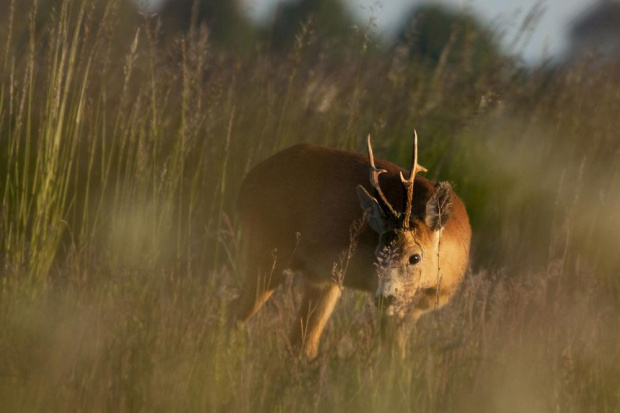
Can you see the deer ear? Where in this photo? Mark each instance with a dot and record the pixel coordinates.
(377, 218)
(439, 206)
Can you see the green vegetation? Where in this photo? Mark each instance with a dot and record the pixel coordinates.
(326, 18)
(434, 33)
(228, 28)
(120, 159)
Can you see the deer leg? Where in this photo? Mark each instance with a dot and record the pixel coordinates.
(259, 283)
(316, 307)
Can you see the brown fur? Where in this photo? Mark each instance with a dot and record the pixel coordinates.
(296, 210)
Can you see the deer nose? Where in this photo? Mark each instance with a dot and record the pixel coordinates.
(383, 301)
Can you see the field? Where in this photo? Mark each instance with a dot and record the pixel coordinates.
(121, 153)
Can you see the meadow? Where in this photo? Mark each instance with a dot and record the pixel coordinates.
(121, 153)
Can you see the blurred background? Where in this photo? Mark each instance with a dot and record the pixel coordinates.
(557, 29)
(126, 128)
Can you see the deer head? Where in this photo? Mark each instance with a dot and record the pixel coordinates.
(408, 247)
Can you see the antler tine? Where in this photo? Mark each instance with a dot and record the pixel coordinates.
(408, 183)
(374, 180)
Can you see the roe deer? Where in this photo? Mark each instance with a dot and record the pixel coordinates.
(296, 209)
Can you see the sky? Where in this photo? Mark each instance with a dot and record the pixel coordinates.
(548, 40)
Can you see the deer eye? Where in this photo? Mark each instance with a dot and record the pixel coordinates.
(414, 259)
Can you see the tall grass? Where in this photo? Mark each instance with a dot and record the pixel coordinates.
(121, 154)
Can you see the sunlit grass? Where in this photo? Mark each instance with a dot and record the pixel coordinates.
(121, 157)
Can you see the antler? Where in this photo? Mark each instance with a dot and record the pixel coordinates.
(408, 183)
(374, 180)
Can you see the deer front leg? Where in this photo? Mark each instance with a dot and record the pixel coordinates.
(316, 307)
